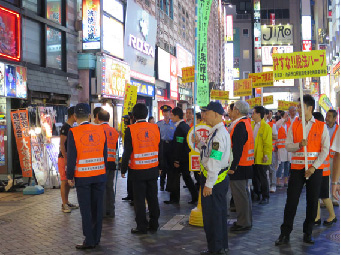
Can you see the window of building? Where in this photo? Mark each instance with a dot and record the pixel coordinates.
(167, 7)
(53, 48)
(54, 10)
(31, 5)
(31, 41)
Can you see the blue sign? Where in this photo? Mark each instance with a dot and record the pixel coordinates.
(143, 89)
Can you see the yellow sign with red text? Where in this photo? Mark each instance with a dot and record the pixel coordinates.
(187, 74)
(284, 105)
(259, 80)
(258, 101)
(242, 88)
(299, 64)
(220, 95)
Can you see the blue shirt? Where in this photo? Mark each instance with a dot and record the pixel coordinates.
(166, 130)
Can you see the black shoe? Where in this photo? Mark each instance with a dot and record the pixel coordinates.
(138, 232)
(126, 198)
(233, 209)
(329, 223)
(282, 239)
(207, 252)
(264, 201)
(307, 238)
(152, 230)
(171, 202)
(318, 222)
(185, 187)
(193, 202)
(83, 246)
(237, 228)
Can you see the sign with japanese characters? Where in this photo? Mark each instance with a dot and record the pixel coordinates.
(284, 105)
(268, 100)
(129, 98)
(22, 136)
(204, 8)
(219, 95)
(254, 102)
(242, 88)
(91, 24)
(188, 74)
(260, 80)
(299, 65)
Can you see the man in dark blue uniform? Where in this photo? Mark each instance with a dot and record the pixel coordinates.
(167, 129)
(87, 157)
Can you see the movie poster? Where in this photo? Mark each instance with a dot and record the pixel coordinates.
(21, 82)
(10, 74)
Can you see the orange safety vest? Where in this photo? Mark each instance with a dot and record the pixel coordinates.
(331, 152)
(326, 167)
(282, 136)
(313, 146)
(273, 141)
(112, 138)
(145, 140)
(247, 158)
(89, 140)
(289, 122)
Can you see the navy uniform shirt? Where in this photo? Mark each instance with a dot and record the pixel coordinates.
(166, 130)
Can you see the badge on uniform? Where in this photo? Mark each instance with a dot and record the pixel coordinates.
(215, 146)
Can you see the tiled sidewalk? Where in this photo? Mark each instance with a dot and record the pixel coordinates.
(35, 225)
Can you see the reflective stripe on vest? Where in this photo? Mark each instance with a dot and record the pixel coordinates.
(112, 138)
(145, 140)
(221, 176)
(247, 158)
(313, 147)
(331, 152)
(89, 141)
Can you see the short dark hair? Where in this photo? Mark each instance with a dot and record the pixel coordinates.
(318, 116)
(231, 106)
(177, 111)
(333, 112)
(282, 113)
(191, 110)
(198, 114)
(277, 118)
(140, 111)
(261, 110)
(267, 111)
(308, 100)
(70, 112)
(150, 118)
(96, 111)
(103, 115)
(270, 111)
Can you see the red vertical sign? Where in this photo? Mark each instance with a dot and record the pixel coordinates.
(173, 78)
(272, 19)
(22, 136)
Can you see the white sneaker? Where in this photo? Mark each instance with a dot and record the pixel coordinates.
(273, 189)
(66, 208)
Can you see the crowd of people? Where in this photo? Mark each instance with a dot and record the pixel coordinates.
(246, 157)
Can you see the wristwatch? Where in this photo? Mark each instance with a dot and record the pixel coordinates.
(335, 183)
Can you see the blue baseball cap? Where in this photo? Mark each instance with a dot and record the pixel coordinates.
(216, 107)
(82, 108)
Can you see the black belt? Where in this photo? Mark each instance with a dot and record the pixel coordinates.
(166, 141)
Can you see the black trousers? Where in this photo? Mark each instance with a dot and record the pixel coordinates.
(90, 199)
(214, 212)
(260, 180)
(130, 185)
(174, 182)
(146, 189)
(109, 195)
(295, 185)
(167, 161)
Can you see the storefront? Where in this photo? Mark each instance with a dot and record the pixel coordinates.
(145, 93)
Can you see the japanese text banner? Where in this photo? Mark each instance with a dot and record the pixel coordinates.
(22, 136)
(188, 74)
(129, 98)
(260, 80)
(268, 100)
(219, 95)
(299, 64)
(284, 105)
(242, 88)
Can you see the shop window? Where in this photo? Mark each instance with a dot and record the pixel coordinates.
(31, 5)
(53, 48)
(31, 41)
(54, 10)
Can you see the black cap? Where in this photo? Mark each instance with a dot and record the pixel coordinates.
(165, 108)
(216, 107)
(203, 109)
(82, 108)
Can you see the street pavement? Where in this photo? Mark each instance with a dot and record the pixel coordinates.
(36, 225)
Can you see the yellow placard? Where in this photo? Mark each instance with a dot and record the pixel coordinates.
(242, 88)
(187, 74)
(219, 94)
(284, 105)
(254, 102)
(268, 100)
(194, 161)
(129, 98)
(259, 80)
(299, 64)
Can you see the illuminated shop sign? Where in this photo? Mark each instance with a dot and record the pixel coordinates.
(91, 24)
(141, 46)
(278, 34)
(143, 89)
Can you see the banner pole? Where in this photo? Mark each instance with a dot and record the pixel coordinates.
(303, 125)
(195, 67)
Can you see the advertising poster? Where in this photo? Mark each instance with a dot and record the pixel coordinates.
(53, 11)
(22, 136)
(2, 79)
(2, 146)
(10, 88)
(267, 52)
(219, 95)
(173, 78)
(260, 80)
(299, 65)
(38, 163)
(242, 88)
(277, 34)
(91, 24)
(188, 74)
(21, 82)
(10, 34)
(113, 37)
(47, 119)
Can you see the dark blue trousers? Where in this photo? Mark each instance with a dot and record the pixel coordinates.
(90, 199)
(214, 211)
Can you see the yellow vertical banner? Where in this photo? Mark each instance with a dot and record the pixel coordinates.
(129, 98)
